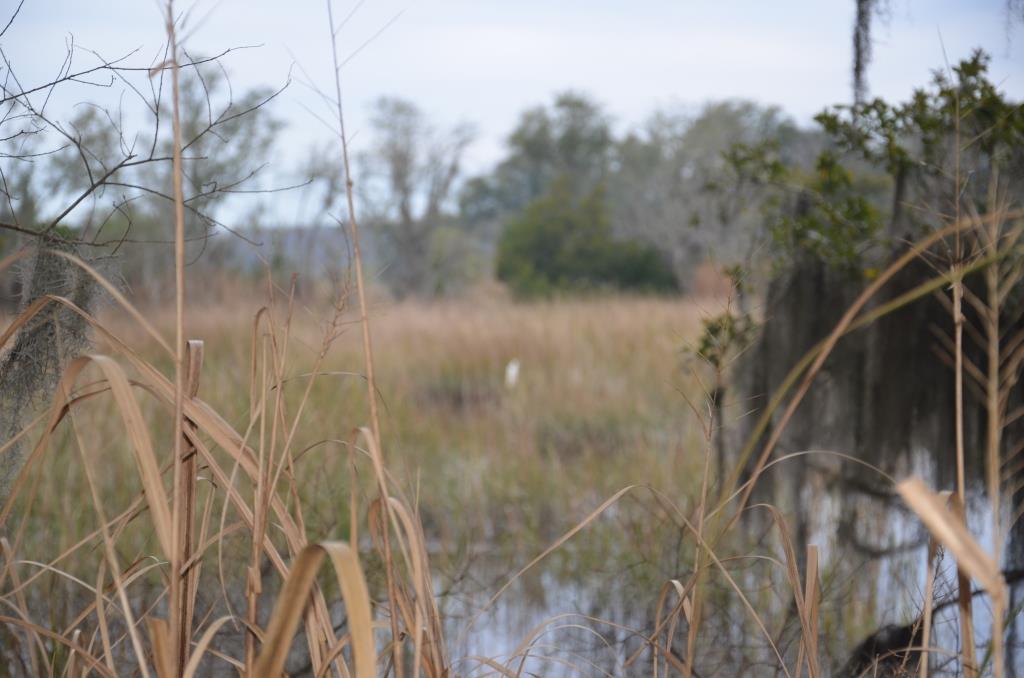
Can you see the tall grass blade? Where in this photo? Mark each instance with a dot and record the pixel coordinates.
(294, 597)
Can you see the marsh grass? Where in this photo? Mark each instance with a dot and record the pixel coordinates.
(531, 465)
(174, 520)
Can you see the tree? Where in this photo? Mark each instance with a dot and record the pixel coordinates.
(103, 172)
(228, 141)
(561, 244)
(896, 171)
(571, 139)
(77, 184)
(410, 173)
(892, 174)
(864, 16)
(674, 186)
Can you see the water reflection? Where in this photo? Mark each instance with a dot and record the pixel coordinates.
(872, 558)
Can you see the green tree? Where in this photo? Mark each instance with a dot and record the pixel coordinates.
(565, 244)
(570, 140)
(892, 172)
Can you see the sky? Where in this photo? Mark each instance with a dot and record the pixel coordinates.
(485, 61)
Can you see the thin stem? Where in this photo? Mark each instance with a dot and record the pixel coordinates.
(179, 634)
(371, 384)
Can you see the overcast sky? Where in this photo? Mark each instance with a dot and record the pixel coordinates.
(484, 61)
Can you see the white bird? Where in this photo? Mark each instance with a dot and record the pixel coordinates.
(512, 373)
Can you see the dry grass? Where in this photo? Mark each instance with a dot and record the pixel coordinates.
(596, 408)
(596, 405)
(599, 406)
(525, 469)
(171, 520)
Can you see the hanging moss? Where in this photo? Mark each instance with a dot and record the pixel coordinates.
(31, 369)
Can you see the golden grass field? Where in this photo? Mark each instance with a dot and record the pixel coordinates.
(598, 404)
(486, 466)
(589, 481)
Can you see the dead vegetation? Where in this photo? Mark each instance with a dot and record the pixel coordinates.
(204, 481)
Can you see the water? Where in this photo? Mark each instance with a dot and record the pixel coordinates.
(873, 555)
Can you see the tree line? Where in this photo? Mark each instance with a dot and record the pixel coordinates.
(572, 206)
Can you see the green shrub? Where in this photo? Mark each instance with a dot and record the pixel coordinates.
(561, 244)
